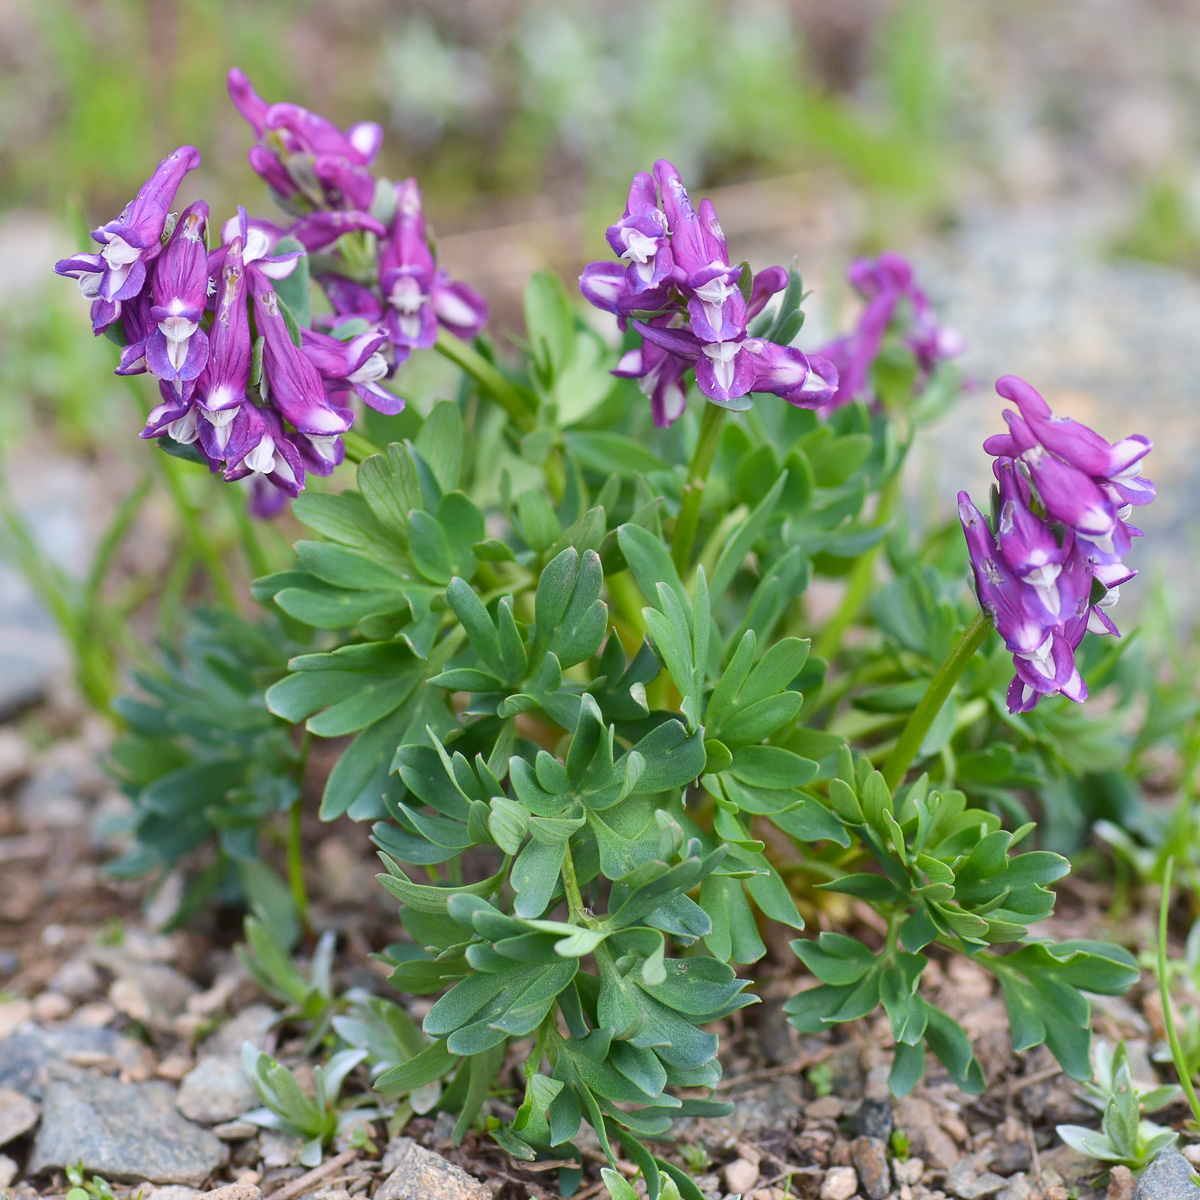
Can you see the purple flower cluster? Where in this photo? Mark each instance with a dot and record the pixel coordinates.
(1052, 568)
(692, 307)
(192, 317)
(894, 300)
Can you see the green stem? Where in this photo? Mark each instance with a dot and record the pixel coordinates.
(712, 425)
(218, 572)
(861, 582)
(1164, 991)
(571, 889)
(485, 373)
(915, 731)
(252, 547)
(295, 845)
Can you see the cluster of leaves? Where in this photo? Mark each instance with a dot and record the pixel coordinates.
(203, 760)
(595, 776)
(1124, 1136)
(946, 876)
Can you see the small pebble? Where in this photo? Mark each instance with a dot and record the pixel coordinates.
(1120, 1184)
(874, 1119)
(840, 1184)
(174, 1067)
(8, 1170)
(95, 1015)
(826, 1108)
(13, 1013)
(869, 1156)
(740, 1175)
(51, 1006)
(235, 1131)
(18, 1115)
(909, 1170)
(77, 979)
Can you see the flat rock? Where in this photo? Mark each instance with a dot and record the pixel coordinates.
(26, 1054)
(964, 1180)
(173, 1191)
(216, 1090)
(915, 1118)
(1168, 1177)
(126, 1131)
(234, 1191)
(152, 993)
(873, 1119)
(18, 1115)
(422, 1175)
(252, 1024)
(840, 1183)
(869, 1156)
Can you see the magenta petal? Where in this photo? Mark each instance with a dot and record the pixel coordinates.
(460, 308)
(603, 284)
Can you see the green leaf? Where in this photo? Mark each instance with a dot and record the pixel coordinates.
(440, 444)
(549, 324)
(614, 453)
(650, 561)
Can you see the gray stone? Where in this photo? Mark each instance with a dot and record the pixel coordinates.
(1168, 1177)
(8, 1170)
(873, 1119)
(915, 1118)
(1019, 1187)
(152, 994)
(968, 1183)
(126, 1131)
(422, 1175)
(216, 1090)
(252, 1024)
(869, 1156)
(77, 979)
(18, 1115)
(26, 1054)
(235, 1131)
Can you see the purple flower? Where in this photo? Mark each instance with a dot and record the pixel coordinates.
(222, 385)
(1060, 531)
(177, 348)
(1082, 480)
(692, 313)
(290, 383)
(302, 155)
(258, 446)
(893, 299)
(175, 417)
(130, 243)
(417, 296)
(353, 366)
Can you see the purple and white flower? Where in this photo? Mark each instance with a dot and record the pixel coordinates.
(130, 243)
(177, 348)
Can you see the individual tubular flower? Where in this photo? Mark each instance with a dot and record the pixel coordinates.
(1083, 481)
(417, 296)
(130, 243)
(305, 159)
(354, 366)
(177, 348)
(688, 304)
(896, 303)
(221, 388)
(291, 384)
(1051, 571)
(259, 447)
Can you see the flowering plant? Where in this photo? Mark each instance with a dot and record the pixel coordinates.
(566, 632)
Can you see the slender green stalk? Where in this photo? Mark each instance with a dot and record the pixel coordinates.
(358, 447)
(861, 581)
(506, 394)
(1164, 991)
(712, 425)
(214, 564)
(914, 732)
(170, 466)
(252, 547)
(571, 888)
(295, 846)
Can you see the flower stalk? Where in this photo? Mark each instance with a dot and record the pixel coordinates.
(712, 425)
(940, 686)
